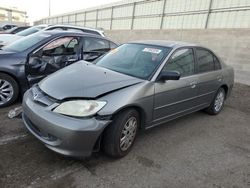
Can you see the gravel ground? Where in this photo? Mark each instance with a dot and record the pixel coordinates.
(197, 150)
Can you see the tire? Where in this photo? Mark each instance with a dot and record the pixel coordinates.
(9, 90)
(218, 103)
(115, 132)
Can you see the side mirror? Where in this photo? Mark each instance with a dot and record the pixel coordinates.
(169, 75)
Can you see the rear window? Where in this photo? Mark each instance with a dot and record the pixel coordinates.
(216, 63)
(206, 61)
(91, 44)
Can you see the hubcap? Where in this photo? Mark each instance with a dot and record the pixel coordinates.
(219, 100)
(128, 133)
(6, 91)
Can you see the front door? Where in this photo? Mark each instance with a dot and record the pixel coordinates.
(54, 56)
(174, 98)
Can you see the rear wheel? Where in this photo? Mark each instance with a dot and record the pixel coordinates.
(217, 104)
(8, 90)
(119, 137)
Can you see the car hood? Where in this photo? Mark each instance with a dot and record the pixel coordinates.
(5, 53)
(6, 39)
(85, 80)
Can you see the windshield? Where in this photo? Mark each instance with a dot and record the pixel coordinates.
(29, 31)
(138, 60)
(25, 42)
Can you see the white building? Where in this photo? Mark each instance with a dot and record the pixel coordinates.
(13, 16)
(160, 14)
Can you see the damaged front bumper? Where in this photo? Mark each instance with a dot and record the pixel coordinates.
(65, 135)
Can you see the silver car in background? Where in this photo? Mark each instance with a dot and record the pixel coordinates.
(6, 39)
(138, 85)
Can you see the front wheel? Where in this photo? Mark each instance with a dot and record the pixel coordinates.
(8, 90)
(119, 137)
(217, 104)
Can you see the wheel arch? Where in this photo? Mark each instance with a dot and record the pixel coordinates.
(142, 115)
(140, 110)
(225, 87)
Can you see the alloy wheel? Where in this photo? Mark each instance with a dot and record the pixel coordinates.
(219, 100)
(6, 91)
(128, 133)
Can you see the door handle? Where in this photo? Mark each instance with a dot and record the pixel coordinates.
(193, 85)
(219, 78)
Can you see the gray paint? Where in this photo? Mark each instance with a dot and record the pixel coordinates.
(232, 45)
(159, 101)
(73, 136)
(84, 80)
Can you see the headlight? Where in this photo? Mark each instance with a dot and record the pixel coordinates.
(80, 108)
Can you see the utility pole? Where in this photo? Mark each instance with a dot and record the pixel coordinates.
(49, 7)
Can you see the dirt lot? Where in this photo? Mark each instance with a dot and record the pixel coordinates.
(194, 151)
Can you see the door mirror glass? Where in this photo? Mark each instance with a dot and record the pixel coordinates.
(169, 75)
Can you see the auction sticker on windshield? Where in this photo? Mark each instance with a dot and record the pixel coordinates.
(152, 50)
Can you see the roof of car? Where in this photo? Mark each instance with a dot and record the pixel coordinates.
(76, 27)
(165, 43)
(71, 33)
(96, 31)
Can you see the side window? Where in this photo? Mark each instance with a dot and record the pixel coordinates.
(112, 45)
(205, 60)
(181, 61)
(216, 63)
(61, 46)
(91, 44)
(72, 43)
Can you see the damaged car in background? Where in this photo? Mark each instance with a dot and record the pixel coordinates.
(8, 38)
(32, 58)
(139, 85)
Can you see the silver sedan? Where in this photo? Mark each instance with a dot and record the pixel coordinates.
(137, 86)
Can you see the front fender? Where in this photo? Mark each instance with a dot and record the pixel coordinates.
(140, 96)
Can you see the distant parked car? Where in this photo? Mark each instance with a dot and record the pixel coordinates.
(6, 39)
(14, 30)
(30, 59)
(7, 26)
(137, 85)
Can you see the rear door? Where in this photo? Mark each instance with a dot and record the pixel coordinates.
(93, 48)
(209, 75)
(174, 98)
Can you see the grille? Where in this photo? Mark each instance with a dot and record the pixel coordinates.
(41, 98)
